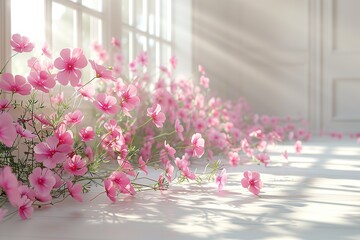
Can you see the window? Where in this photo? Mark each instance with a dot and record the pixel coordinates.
(69, 23)
(147, 26)
(142, 25)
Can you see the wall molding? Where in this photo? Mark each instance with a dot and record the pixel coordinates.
(315, 89)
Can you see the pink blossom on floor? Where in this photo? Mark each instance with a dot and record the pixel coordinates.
(285, 154)
(234, 158)
(87, 134)
(198, 144)
(74, 117)
(157, 116)
(221, 179)
(21, 43)
(14, 85)
(42, 180)
(106, 104)
(252, 182)
(69, 63)
(101, 71)
(298, 146)
(42, 80)
(7, 129)
(75, 190)
(75, 165)
(25, 209)
(263, 157)
(50, 153)
(110, 189)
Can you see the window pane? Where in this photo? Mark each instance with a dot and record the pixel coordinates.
(63, 27)
(154, 19)
(125, 46)
(125, 7)
(141, 14)
(92, 32)
(153, 54)
(93, 4)
(166, 19)
(33, 27)
(141, 44)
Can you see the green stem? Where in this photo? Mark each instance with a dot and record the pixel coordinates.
(8, 62)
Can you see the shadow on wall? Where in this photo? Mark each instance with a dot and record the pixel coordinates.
(255, 49)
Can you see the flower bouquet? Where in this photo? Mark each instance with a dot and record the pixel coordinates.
(60, 134)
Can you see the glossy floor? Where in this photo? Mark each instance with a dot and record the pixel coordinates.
(315, 195)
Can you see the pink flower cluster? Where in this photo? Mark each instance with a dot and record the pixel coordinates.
(134, 126)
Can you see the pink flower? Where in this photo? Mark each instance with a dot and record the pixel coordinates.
(75, 190)
(173, 62)
(46, 50)
(50, 153)
(143, 58)
(7, 129)
(157, 116)
(87, 134)
(110, 190)
(42, 180)
(24, 132)
(169, 171)
(170, 150)
(42, 80)
(106, 104)
(21, 43)
(25, 209)
(198, 144)
(179, 129)
(221, 179)
(75, 165)
(264, 158)
(89, 154)
(298, 146)
(252, 182)
(74, 117)
(120, 180)
(64, 136)
(233, 158)
(69, 65)
(204, 81)
(142, 165)
(101, 71)
(201, 69)
(115, 42)
(285, 154)
(17, 85)
(128, 98)
(9, 183)
(4, 104)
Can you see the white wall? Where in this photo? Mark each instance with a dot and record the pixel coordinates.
(287, 57)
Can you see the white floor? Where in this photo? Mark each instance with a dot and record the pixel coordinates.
(316, 195)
